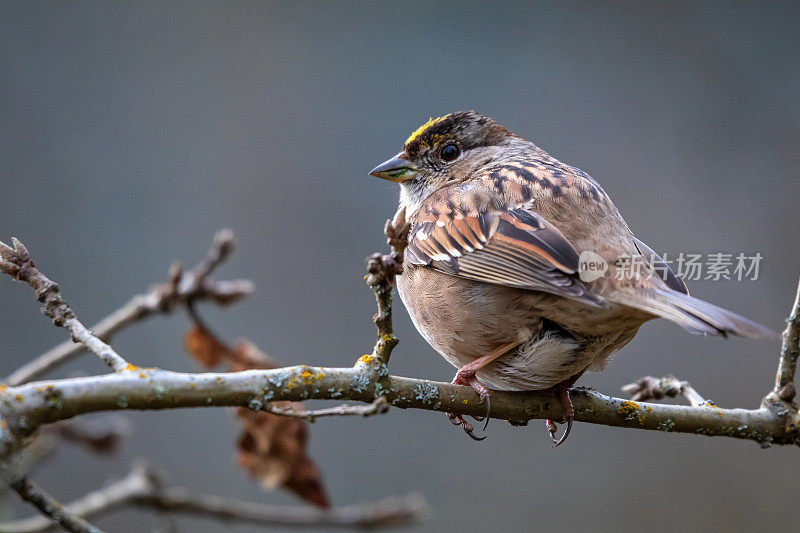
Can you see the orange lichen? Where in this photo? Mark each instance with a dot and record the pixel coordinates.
(131, 367)
(366, 359)
(628, 409)
(309, 376)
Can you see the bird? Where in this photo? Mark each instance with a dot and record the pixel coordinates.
(518, 267)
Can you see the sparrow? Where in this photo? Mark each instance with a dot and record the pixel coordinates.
(515, 269)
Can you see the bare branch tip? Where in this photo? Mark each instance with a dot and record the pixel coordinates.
(20, 249)
(246, 287)
(223, 242)
(5, 250)
(175, 273)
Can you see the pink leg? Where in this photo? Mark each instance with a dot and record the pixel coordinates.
(466, 376)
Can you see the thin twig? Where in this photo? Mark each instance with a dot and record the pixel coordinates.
(50, 508)
(650, 388)
(381, 271)
(142, 487)
(221, 248)
(16, 262)
(160, 299)
(377, 407)
(102, 437)
(790, 350)
(34, 455)
(389, 512)
(138, 481)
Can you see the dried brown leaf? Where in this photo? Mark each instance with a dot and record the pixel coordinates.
(204, 347)
(271, 448)
(246, 356)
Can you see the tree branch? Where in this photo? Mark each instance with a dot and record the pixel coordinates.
(24, 408)
(790, 350)
(50, 507)
(27, 407)
(650, 388)
(381, 271)
(142, 487)
(16, 262)
(196, 285)
(377, 407)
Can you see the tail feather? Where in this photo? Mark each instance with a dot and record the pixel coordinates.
(695, 315)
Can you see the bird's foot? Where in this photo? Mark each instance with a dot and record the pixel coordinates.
(569, 415)
(552, 428)
(468, 428)
(466, 376)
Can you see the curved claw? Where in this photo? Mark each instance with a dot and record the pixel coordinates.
(468, 428)
(551, 428)
(488, 400)
(562, 389)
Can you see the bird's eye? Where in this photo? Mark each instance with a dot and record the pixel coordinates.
(450, 151)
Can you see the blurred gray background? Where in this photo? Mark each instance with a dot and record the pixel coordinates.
(130, 132)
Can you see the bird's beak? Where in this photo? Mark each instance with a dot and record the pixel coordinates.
(397, 169)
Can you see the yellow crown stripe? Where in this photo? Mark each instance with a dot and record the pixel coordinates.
(419, 131)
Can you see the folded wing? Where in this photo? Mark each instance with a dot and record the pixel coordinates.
(516, 248)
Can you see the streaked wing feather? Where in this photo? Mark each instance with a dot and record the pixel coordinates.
(515, 248)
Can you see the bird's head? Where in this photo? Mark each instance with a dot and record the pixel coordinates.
(444, 150)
